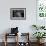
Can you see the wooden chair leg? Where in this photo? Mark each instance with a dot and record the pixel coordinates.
(5, 39)
(17, 39)
(5, 43)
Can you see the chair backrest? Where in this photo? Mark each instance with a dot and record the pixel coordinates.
(14, 30)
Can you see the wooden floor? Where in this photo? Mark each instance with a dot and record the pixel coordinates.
(13, 44)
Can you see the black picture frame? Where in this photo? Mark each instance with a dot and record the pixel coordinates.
(18, 13)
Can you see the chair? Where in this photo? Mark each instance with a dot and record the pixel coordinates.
(7, 34)
(25, 43)
(14, 32)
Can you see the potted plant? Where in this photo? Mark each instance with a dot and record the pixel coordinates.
(39, 35)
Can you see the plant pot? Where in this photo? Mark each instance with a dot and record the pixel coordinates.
(40, 41)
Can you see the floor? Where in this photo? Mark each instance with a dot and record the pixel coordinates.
(13, 44)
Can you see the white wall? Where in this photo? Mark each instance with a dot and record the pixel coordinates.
(24, 25)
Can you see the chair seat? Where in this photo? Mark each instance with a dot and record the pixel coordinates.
(9, 34)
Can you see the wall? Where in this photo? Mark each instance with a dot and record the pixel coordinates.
(24, 25)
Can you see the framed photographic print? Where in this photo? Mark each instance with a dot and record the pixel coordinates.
(41, 8)
(17, 13)
(41, 12)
